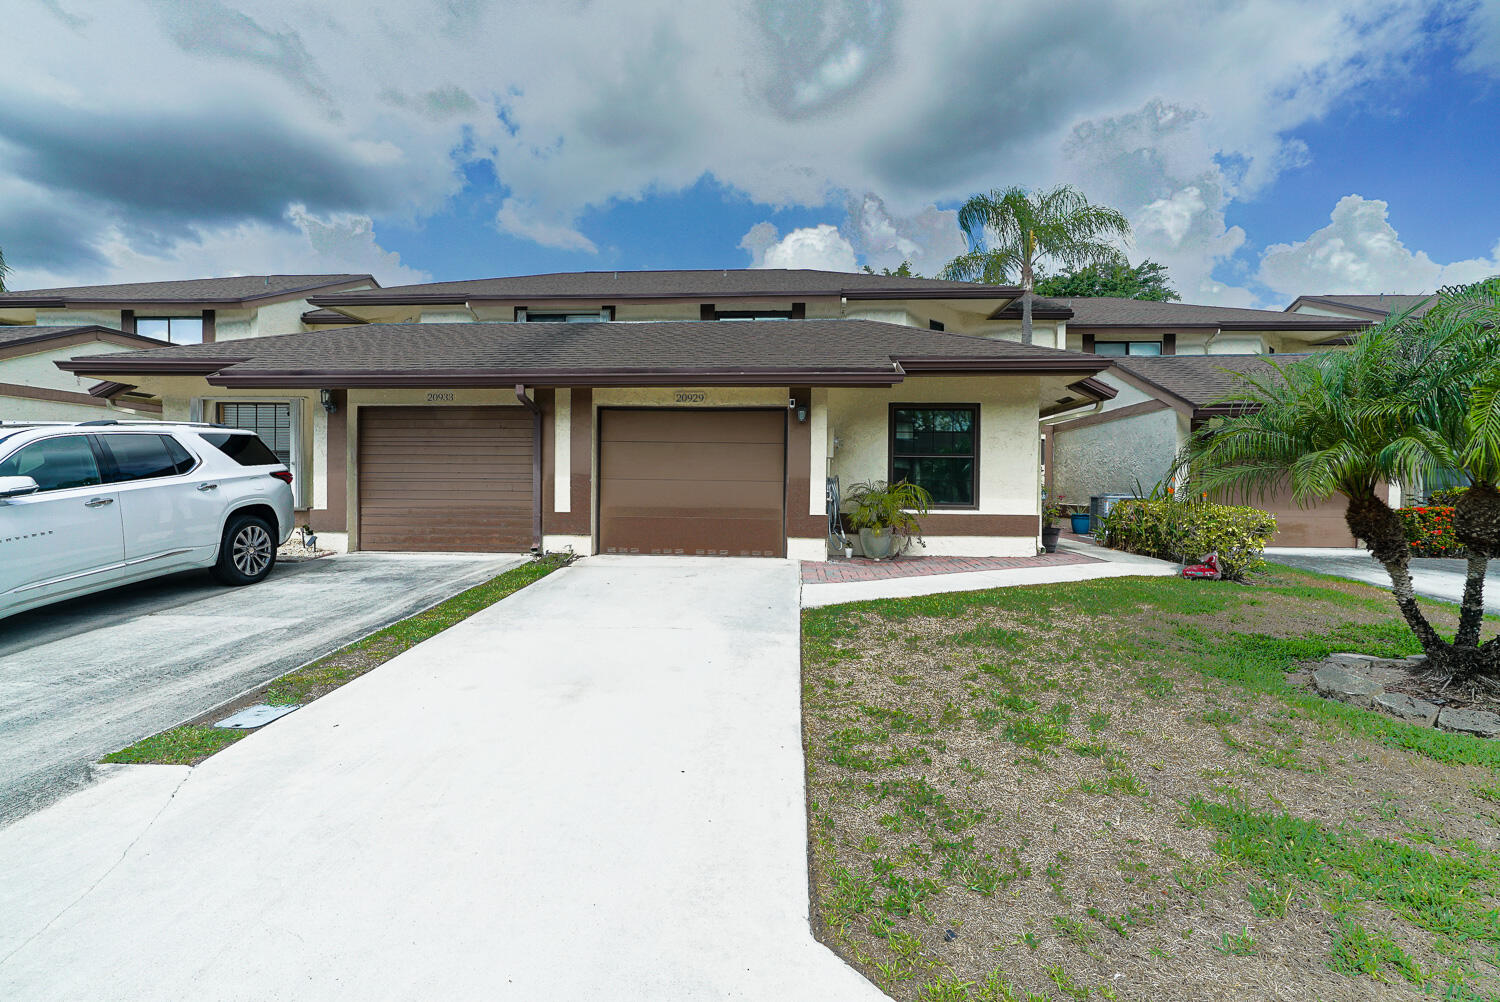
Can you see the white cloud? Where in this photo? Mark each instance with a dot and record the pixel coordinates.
(1359, 251)
(517, 219)
(1483, 35)
(929, 239)
(820, 247)
(304, 243)
(260, 104)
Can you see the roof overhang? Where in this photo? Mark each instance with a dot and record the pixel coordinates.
(20, 300)
(461, 300)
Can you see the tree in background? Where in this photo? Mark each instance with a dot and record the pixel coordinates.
(3, 270)
(903, 270)
(1012, 232)
(1147, 280)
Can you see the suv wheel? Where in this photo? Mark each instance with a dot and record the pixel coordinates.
(248, 551)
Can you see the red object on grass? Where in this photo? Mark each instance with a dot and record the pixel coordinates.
(1208, 570)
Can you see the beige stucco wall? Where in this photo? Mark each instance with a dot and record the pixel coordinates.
(1117, 457)
(40, 368)
(78, 318)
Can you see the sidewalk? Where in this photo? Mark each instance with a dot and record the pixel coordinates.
(1077, 559)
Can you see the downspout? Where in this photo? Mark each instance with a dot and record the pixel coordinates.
(536, 466)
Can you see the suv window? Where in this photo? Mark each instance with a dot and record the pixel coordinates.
(142, 457)
(54, 463)
(247, 450)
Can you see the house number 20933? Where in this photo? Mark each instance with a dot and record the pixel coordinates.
(441, 398)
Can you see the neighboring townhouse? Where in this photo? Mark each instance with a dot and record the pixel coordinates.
(722, 294)
(1131, 441)
(33, 388)
(1371, 308)
(88, 320)
(188, 311)
(1122, 327)
(442, 428)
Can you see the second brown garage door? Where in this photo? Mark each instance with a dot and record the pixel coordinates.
(692, 482)
(445, 478)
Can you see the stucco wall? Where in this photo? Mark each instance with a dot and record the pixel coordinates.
(40, 369)
(26, 409)
(1115, 457)
(78, 318)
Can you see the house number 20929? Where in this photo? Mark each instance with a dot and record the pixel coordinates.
(440, 398)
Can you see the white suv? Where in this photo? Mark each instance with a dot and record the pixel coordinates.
(89, 506)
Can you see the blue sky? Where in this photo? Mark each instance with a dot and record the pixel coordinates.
(1261, 150)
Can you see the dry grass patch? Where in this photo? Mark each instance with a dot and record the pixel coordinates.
(1110, 790)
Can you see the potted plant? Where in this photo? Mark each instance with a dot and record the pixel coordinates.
(1081, 522)
(881, 513)
(1051, 512)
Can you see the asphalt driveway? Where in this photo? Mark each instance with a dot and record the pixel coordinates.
(591, 790)
(83, 678)
(1439, 578)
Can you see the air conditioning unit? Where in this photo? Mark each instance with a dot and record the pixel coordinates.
(1100, 505)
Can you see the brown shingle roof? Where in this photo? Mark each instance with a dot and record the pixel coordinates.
(496, 354)
(1109, 311)
(1377, 306)
(1042, 308)
(12, 336)
(236, 289)
(1199, 380)
(705, 284)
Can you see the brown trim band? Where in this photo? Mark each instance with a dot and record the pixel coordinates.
(1134, 410)
(955, 524)
(67, 397)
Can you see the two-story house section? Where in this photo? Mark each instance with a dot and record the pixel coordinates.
(39, 327)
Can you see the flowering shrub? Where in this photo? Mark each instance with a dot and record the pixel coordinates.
(1448, 496)
(1429, 530)
(1188, 531)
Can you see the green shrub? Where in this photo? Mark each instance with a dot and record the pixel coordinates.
(1190, 530)
(1447, 497)
(1429, 530)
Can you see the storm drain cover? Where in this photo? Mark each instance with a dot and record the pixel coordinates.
(255, 716)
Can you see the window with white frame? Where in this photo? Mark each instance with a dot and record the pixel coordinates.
(527, 316)
(177, 330)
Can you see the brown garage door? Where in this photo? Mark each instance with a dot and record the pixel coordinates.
(695, 482)
(445, 478)
(1321, 525)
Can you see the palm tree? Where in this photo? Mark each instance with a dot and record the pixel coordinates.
(1012, 231)
(1415, 395)
(3, 270)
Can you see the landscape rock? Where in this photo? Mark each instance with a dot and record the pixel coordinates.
(1343, 684)
(1478, 722)
(1407, 707)
(1348, 659)
(1381, 670)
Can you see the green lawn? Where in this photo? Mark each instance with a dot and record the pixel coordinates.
(191, 744)
(1110, 789)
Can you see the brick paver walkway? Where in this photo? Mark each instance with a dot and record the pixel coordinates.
(860, 569)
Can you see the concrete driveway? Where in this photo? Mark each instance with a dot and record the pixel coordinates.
(591, 790)
(1433, 577)
(83, 678)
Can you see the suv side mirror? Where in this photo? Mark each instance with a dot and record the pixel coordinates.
(14, 487)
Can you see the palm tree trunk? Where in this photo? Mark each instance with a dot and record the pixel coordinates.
(1471, 610)
(1373, 521)
(1025, 318)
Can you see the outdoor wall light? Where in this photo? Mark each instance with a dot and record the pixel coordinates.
(329, 404)
(802, 414)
